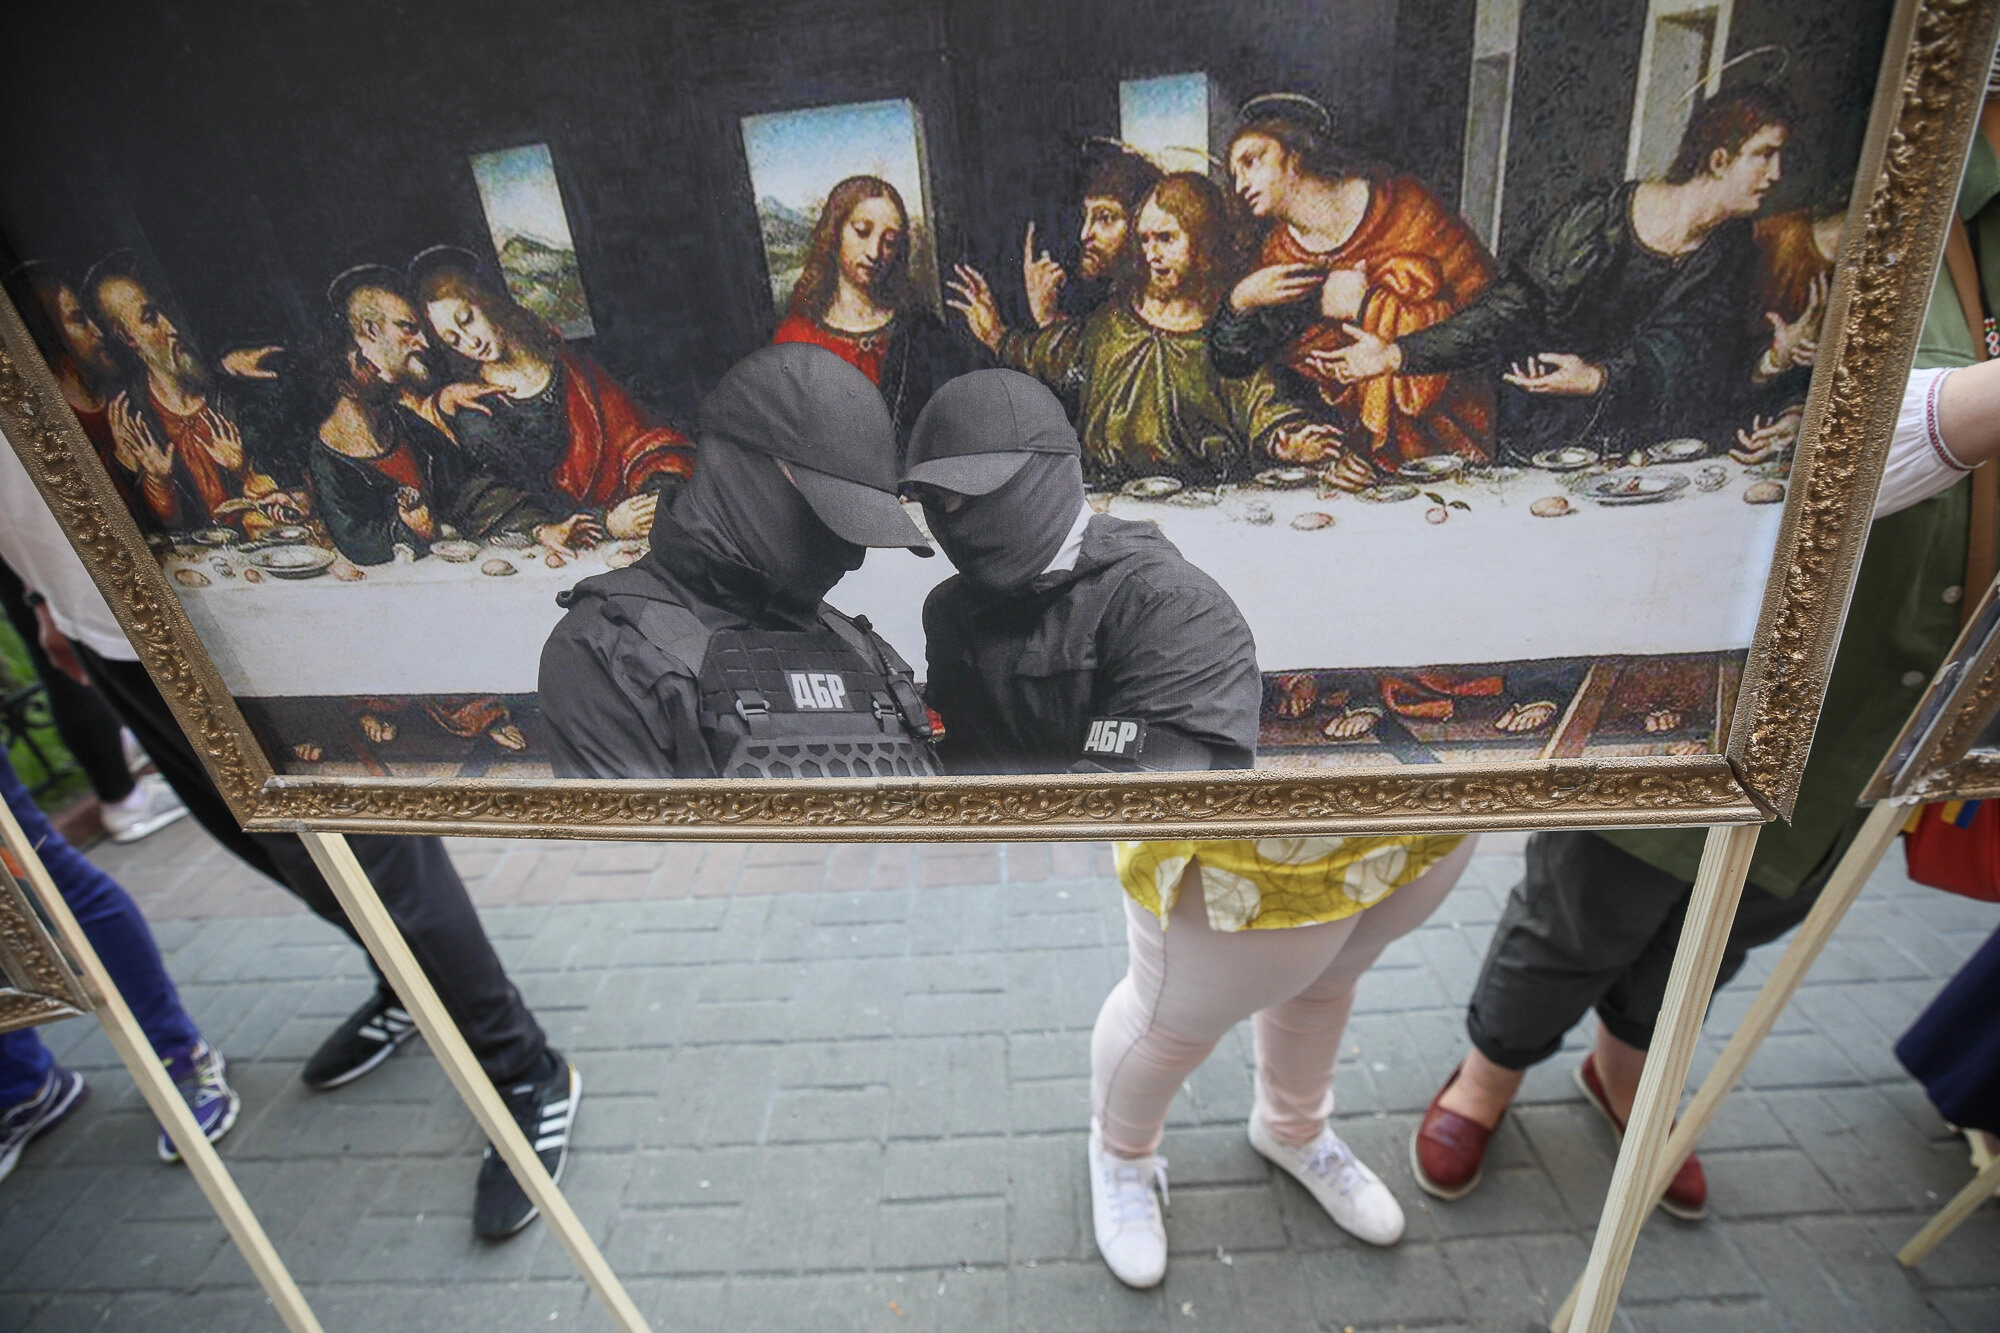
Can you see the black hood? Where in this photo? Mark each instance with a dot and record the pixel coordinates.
(1000, 472)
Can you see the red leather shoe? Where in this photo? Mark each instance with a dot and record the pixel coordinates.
(1448, 1150)
(1687, 1197)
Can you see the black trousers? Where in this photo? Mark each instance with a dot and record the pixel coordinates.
(414, 876)
(85, 722)
(1592, 926)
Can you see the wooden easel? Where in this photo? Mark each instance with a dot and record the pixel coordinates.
(1877, 835)
(129, 1040)
(391, 953)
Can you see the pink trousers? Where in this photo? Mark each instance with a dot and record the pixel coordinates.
(1187, 986)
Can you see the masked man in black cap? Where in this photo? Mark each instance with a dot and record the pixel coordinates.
(713, 655)
(1069, 640)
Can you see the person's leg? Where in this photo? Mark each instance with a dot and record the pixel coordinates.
(111, 920)
(1627, 1012)
(1186, 986)
(1583, 913)
(25, 1063)
(86, 724)
(1298, 1040)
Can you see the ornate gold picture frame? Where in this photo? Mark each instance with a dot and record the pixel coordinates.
(1934, 67)
(36, 984)
(1946, 752)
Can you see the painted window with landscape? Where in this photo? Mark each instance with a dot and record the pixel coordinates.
(531, 238)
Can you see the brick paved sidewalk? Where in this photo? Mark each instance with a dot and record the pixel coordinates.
(845, 1088)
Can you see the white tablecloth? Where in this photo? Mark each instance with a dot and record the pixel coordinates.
(1380, 586)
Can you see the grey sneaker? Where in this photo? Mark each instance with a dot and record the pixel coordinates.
(25, 1121)
(151, 807)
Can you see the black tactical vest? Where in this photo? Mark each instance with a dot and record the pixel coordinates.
(830, 702)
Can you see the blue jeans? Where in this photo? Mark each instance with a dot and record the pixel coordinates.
(116, 930)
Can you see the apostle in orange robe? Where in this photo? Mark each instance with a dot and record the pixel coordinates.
(1352, 249)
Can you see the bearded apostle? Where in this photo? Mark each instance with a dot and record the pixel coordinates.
(182, 439)
(1349, 249)
(1149, 401)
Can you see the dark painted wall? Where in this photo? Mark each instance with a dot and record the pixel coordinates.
(254, 148)
(1579, 64)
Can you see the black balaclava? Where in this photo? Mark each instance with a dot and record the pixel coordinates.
(1002, 540)
(741, 506)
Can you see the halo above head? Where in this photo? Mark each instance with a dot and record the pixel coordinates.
(1778, 66)
(426, 262)
(28, 270)
(349, 281)
(120, 261)
(1301, 110)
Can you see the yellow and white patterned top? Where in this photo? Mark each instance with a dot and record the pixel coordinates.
(1272, 883)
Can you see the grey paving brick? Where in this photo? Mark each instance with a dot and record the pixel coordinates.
(820, 1096)
(1362, 1286)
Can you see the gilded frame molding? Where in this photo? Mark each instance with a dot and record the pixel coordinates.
(36, 983)
(1933, 758)
(1932, 81)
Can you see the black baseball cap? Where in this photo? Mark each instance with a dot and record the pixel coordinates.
(826, 421)
(979, 429)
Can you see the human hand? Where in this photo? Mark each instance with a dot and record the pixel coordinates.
(415, 511)
(575, 533)
(247, 363)
(1044, 279)
(61, 652)
(1308, 443)
(465, 396)
(975, 302)
(1794, 343)
(1363, 359)
(1766, 439)
(632, 518)
(1350, 472)
(1275, 284)
(1342, 294)
(1561, 374)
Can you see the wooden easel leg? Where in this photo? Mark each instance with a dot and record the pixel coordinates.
(1725, 863)
(1877, 835)
(130, 1041)
(392, 954)
(1976, 1192)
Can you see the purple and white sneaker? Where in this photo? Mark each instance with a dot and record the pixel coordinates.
(201, 1073)
(25, 1121)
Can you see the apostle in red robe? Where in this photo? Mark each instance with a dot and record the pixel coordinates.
(556, 426)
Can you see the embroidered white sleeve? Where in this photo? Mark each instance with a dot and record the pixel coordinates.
(1919, 465)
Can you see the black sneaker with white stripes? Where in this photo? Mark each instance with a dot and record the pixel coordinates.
(369, 1036)
(545, 1108)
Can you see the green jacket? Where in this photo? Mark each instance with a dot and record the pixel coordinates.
(1901, 623)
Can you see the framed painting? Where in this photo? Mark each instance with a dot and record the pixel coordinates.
(1950, 748)
(1445, 413)
(36, 983)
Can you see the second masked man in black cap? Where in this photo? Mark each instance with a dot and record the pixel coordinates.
(714, 655)
(1069, 640)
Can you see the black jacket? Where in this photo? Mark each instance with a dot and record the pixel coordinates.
(616, 705)
(1133, 633)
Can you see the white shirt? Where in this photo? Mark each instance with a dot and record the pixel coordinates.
(1072, 548)
(1919, 465)
(33, 545)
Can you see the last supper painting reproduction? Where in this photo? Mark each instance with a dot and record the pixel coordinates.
(937, 388)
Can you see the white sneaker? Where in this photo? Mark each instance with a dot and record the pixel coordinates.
(151, 807)
(1131, 1234)
(1353, 1196)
